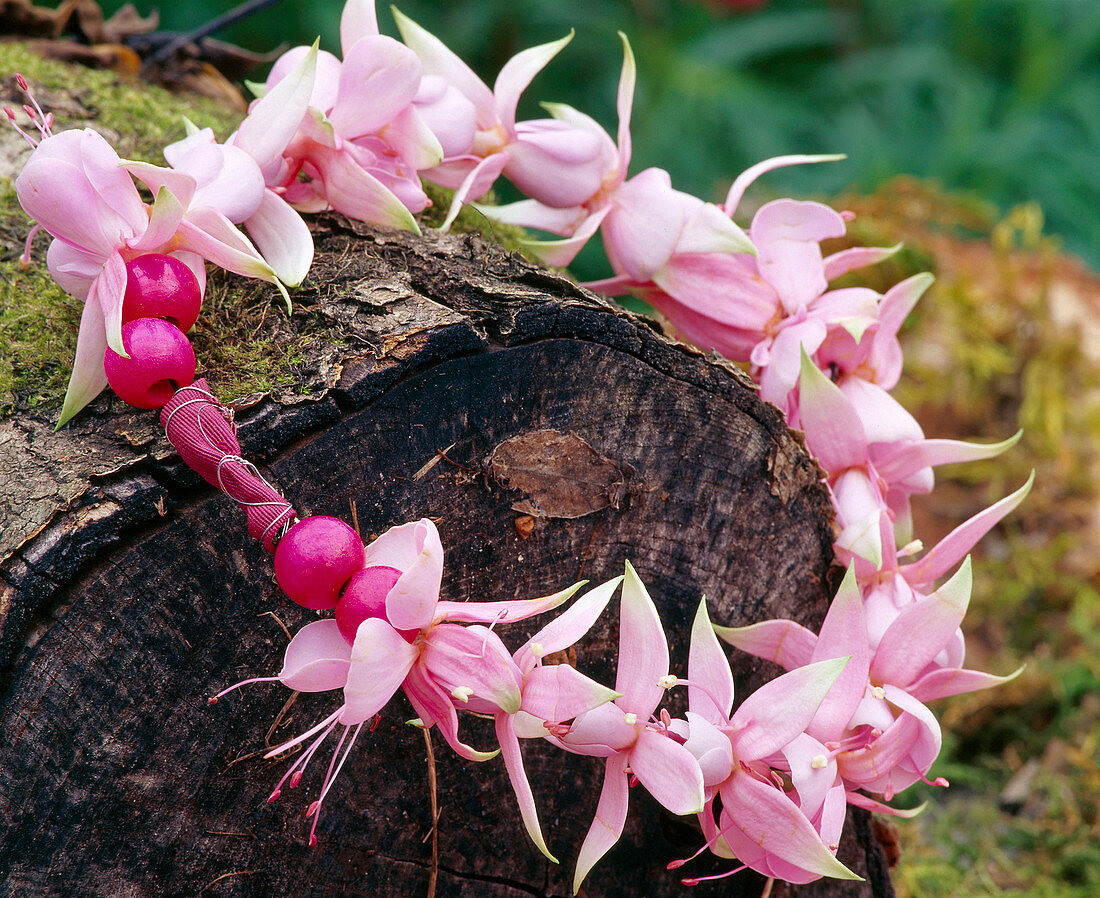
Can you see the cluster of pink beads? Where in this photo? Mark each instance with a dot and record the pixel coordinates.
(321, 564)
(161, 304)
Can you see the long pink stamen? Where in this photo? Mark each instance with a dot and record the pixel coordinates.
(11, 116)
(331, 777)
(705, 690)
(43, 122)
(695, 880)
(295, 771)
(327, 722)
(25, 259)
(213, 700)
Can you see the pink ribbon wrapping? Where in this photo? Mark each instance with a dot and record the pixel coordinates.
(203, 432)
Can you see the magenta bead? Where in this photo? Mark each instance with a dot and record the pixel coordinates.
(161, 360)
(160, 286)
(365, 596)
(315, 560)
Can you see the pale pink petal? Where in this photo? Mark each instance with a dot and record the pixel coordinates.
(164, 219)
(325, 82)
(554, 163)
(436, 708)
(599, 732)
(438, 60)
(228, 180)
(157, 177)
(834, 431)
(781, 709)
(113, 184)
(398, 547)
(781, 374)
(282, 238)
(197, 265)
(859, 800)
(668, 771)
(724, 287)
(358, 20)
(610, 818)
(743, 180)
(513, 763)
(517, 74)
(857, 257)
(900, 461)
(921, 631)
(506, 612)
(943, 682)
(559, 253)
(450, 116)
(472, 658)
(569, 626)
(812, 783)
(788, 644)
(356, 193)
(768, 819)
(378, 79)
(843, 635)
(109, 290)
(476, 184)
(883, 417)
(786, 234)
(74, 269)
(710, 230)
(646, 222)
(710, 747)
(56, 194)
(533, 214)
(643, 651)
(88, 378)
(624, 101)
(380, 661)
(317, 658)
(709, 670)
(558, 692)
(409, 135)
(953, 547)
(411, 603)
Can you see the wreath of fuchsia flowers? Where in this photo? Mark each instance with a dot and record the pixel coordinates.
(770, 781)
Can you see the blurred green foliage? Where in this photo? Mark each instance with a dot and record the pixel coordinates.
(999, 97)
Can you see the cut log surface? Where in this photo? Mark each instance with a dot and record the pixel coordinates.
(550, 437)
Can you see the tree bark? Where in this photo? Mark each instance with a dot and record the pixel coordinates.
(548, 435)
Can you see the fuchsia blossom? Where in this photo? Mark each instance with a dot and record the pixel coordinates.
(874, 720)
(876, 456)
(78, 190)
(773, 831)
(559, 161)
(363, 140)
(417, 643)
(229, 178)
(627, 735)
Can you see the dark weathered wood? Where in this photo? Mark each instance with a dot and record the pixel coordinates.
(131, 593)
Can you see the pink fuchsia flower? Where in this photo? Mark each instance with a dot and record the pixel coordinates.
(566, 164)
(767, 828)
(874, 722)
(875, 456)
(76, 188)
(559, 162)
(229, 178)
(551, 695)
(363, 140)
(412, 641)
(628, 736)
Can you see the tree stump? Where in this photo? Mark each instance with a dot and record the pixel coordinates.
(549, 436)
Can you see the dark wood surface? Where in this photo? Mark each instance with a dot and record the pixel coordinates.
(130, 592)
